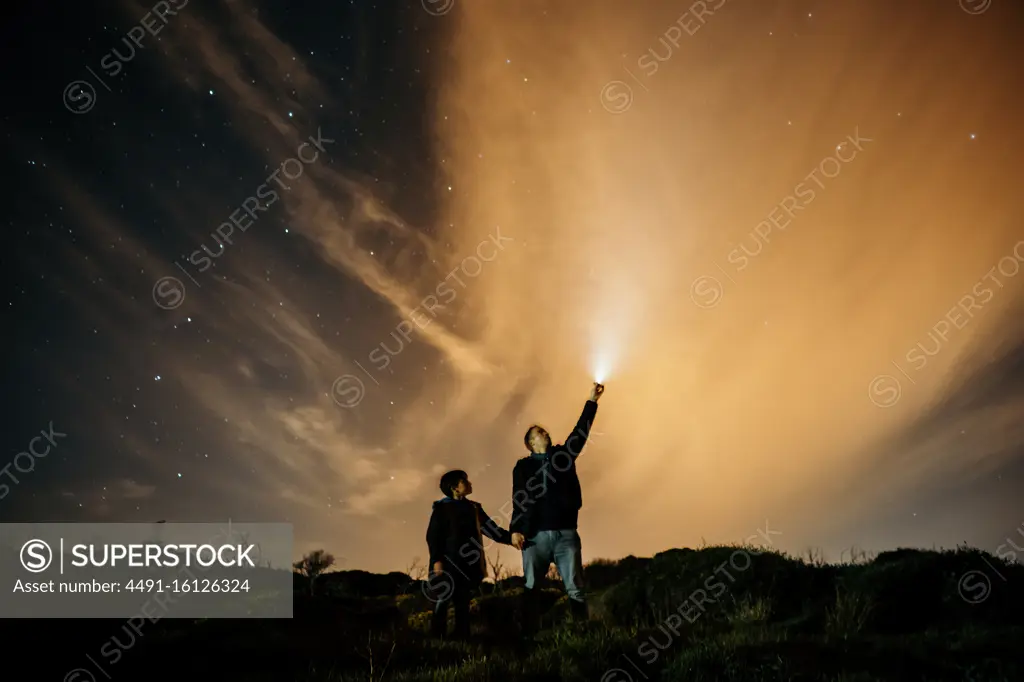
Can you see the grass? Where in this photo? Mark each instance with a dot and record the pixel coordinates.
(701, 615)
(849, 615)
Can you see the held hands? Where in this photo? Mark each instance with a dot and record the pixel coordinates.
(518, 540)
(596, 391)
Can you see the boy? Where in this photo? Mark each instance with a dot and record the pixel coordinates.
(457, 563)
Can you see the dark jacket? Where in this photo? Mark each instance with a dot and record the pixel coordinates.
(546, 493)
(454, 537)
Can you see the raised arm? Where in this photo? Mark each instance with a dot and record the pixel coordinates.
(578, 438)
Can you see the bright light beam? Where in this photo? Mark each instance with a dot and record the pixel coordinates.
(600, 366)
(619, 299)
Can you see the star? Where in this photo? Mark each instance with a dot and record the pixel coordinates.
(170, 170)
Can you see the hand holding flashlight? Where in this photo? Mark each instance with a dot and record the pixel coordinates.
(596, 391)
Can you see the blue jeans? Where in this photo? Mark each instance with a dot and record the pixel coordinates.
(564, 549)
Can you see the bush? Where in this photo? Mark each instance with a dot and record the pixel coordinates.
(699, 583)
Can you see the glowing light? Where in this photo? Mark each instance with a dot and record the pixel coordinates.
(601, 365)
(616, 304)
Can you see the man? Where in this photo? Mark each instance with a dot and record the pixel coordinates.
(546, 498)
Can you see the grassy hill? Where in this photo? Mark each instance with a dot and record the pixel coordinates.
(718, 613)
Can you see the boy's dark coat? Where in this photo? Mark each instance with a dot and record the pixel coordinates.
(454, 537)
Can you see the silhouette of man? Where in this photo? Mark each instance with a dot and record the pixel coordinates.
(547, 497)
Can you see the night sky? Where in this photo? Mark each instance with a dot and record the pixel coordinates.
(446, 129)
